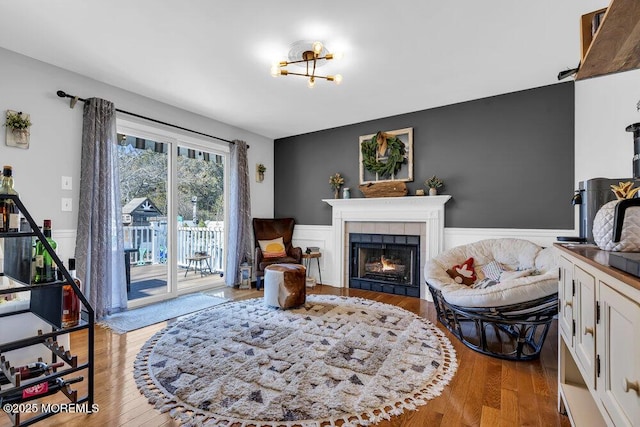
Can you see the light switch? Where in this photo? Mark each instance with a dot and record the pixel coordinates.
(66, 183)
(67, 204)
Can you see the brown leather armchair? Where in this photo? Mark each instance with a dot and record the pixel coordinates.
(268, 229)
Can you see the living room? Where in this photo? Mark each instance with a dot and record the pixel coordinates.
(487, 111)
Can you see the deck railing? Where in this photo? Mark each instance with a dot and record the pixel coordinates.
(151, 242)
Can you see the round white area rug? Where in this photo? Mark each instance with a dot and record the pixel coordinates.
(335, 359)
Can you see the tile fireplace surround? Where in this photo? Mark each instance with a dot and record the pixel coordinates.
(411, 215)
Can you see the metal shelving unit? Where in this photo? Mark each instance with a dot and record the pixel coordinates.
(43, 304)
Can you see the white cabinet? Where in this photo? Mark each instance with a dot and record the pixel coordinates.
(619, 350)
(599, 340)
(565, 300)
(584, 340)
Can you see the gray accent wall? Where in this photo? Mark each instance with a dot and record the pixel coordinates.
(507, 161)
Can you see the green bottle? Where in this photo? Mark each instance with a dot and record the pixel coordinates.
(45, 267)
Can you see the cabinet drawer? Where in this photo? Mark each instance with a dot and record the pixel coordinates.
(619, 350)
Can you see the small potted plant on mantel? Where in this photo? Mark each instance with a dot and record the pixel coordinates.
(19, 124)
(336, 181)
(433, 184)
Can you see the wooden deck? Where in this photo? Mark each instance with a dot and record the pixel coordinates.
(157, 273)
(484, 392)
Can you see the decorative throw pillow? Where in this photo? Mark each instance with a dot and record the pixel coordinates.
(493, 270)
(463, 274)
(272, 248)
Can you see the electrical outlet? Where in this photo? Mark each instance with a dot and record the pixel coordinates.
(66, 183)
(67, 204)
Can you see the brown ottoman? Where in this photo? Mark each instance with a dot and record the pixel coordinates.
(284, 285)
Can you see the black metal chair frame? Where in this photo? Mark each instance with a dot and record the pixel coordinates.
(525, 324)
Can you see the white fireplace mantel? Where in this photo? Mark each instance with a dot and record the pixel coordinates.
(427, 209)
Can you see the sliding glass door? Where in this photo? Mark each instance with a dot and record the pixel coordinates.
(200, 209)
(144, 175)
(173, 190)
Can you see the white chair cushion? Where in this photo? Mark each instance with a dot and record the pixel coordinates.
(513, 254)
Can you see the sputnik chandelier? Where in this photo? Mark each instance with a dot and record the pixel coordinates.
(309, 56)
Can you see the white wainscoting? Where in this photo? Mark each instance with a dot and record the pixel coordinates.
(461, 236)
(322, 236)
(66, 240)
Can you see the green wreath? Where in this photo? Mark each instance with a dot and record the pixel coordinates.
(393, 163)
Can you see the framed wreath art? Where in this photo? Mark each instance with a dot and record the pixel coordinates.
(387, 156)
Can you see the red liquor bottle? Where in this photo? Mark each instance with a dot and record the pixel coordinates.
(70, 300)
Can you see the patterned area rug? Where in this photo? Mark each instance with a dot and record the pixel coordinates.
(335, 359)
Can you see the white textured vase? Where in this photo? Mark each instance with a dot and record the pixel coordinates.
(603, 229)
(20, 136)
(433, 191)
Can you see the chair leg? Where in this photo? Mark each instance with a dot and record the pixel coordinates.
(258, 282)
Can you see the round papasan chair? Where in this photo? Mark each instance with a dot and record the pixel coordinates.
(505, 310)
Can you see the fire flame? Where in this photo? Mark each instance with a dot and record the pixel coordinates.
(386, 264)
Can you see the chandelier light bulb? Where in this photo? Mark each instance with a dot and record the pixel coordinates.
(338, 55)
(337, 79)
(275, 70)
(317, 48)
(311, 83)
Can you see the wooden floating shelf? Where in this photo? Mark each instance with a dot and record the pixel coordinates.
(616, 45)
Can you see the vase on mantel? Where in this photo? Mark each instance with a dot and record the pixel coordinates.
(433, 191)
(336, 193)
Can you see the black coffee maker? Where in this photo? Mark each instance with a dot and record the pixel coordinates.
(593, 193)
(590, 196)
(635, 128)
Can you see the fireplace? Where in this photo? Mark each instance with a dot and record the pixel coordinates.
(385, 263)
(415, 216)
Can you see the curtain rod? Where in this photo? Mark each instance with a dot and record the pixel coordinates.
(74, 99)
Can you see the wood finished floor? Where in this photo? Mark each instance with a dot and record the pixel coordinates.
(484, 392)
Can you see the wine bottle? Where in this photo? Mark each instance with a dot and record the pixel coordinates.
(45, 269)
(10, 212)
(31, 370)
(70, 300)
(38, 390)
(3, 225)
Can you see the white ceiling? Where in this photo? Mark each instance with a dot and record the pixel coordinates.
(213, 57)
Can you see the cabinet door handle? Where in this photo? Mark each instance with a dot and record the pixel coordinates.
(630, 385)
(588, 330)
(568, 303)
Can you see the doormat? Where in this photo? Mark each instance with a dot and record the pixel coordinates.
(131, 320)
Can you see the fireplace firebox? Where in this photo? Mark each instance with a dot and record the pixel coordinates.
(385, 263)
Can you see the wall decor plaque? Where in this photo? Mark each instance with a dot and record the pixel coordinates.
(386, 156)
